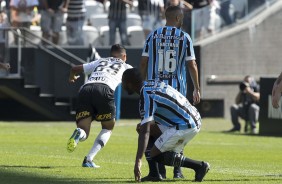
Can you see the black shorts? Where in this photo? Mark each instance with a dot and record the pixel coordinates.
(96, 101)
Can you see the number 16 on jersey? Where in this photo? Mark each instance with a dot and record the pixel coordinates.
(166, 60)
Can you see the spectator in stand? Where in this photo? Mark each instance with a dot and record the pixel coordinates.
(224, 12)
(3, 34)
(201, 14)
(52, 17)
(75, 21)
(22, 14)
(152, 14)
(117, 19)
(206, 18)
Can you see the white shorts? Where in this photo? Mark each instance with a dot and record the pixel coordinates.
(174, 140)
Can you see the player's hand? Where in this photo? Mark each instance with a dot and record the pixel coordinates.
(137, 170)
(7, 66)
(73, 78)
(50, 11)
(138, 127)
(275, 96)
(196, 96)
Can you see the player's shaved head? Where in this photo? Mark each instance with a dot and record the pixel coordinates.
(132, 75)
(132, 80)
(118, 51)
(174, 16)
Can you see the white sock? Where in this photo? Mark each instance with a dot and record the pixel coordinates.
(82, 136)
(99, 143)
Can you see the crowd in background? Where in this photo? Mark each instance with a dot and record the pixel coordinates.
(208, 16)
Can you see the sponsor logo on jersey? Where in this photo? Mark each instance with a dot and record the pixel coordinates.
(168, 37)
(97, 79)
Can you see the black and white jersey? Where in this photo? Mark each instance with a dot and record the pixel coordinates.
(117, 10)
(76, 9)
(106, 71)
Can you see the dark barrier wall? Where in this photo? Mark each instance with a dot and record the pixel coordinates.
(270, 119)
(51, 75)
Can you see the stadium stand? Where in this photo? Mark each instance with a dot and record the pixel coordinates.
(135, 34)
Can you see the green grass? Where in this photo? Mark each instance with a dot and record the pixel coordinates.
(36, 153)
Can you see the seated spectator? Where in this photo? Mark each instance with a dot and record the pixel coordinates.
(22, 14)
(52, 17)
(246, 105)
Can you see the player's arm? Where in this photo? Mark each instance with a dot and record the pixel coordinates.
(238, 98)
(193, 70)
(254, 95)
(143, 138)
(75, 70)
(144, 66)
(128, 2)
(276, 91)
(5, 66)
(188, 5)
(65, 6)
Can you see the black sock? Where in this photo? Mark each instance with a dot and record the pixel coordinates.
(177, 160)
(162, 169)
(153, 165)
(177, 170)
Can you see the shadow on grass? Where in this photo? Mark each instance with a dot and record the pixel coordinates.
(35, 167)
(24, 176)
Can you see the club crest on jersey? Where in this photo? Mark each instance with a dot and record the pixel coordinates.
(101, 117)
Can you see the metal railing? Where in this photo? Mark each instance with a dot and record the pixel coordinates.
(44, 45)
(221, 14)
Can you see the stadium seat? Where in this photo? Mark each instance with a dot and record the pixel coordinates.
(93, 8)
(136, 35)
(99, 20)
(104, 37)
(37, 31)
(90, 35)
(133, 19)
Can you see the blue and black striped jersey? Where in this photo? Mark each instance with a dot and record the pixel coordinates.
(168, 49)
(166, 106)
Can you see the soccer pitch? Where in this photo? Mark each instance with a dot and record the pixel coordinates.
(35, 152)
